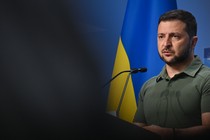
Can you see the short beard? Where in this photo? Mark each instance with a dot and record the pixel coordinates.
(178, 59)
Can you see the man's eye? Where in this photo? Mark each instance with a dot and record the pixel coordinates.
(176, 37)
(160, 37)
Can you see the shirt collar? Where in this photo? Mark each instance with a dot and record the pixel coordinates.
(191, 70)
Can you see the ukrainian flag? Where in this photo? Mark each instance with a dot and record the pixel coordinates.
(137, 48)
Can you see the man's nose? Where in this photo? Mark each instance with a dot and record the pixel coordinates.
(167, 41)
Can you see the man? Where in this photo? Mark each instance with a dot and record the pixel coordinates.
(176, 103)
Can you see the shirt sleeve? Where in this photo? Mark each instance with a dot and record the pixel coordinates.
(205, 99)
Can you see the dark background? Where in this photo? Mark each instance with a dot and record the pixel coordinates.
(49, 83)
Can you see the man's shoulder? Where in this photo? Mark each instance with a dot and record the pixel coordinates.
(205, 70)
(151, 81)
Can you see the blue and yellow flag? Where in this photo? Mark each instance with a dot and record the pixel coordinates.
(137, 48)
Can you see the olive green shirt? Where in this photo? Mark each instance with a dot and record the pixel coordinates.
(175, 102)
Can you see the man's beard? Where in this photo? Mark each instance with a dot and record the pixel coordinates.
(178, 59)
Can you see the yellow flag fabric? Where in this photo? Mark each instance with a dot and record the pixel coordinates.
(116, 90)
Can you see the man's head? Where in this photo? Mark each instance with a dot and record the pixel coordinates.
(177, 30)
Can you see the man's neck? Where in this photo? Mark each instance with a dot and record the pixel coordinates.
(178, 68)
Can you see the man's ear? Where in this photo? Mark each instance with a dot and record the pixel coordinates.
(194, 41)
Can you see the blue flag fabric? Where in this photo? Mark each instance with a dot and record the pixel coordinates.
(137, 48)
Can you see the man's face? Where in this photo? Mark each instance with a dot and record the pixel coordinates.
(174, 45)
